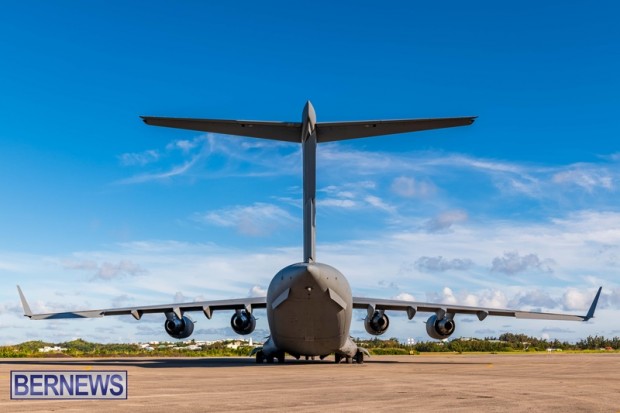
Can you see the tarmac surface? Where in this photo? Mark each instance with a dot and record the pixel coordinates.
(557, 382)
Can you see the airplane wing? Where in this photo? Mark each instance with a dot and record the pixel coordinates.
(207, 307)
(412, 307)
(281, 131)
(337, 131)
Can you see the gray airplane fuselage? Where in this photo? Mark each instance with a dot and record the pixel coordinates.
(309, 310)
(309, 305)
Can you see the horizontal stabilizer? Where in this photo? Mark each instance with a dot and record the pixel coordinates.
(337, 131)
(291, 131)
(281, 131)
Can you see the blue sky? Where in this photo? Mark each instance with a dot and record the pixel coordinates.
(98, 209)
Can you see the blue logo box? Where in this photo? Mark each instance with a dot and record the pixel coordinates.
(68, 384)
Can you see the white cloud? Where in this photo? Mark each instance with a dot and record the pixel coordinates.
(122, 300)
(404, 297)
(177, 170)
(440, 264)
(483, 298)
(408, 187)
(337, 203)
(259, 219)
(187, 146)
(446, 297)
(257, 291)
(533, 298)
(574, 299)
(109, 270)
(378, 203)
(140, 159)
(445, 220)
(106, 270)
(179, 297)
(586, 177)
(512, 263)
(493, 299)
(80, 264)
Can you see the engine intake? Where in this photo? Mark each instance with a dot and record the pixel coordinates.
(178, 327)
(440, 329)
(243, 322)
(377, 324)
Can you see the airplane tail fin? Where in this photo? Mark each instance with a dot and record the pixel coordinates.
(26, 307)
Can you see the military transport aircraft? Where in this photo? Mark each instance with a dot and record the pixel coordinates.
(309, 304)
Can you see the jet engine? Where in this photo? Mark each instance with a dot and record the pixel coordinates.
(243, 322)
(440, 329)
(377, 324)
(178, 327)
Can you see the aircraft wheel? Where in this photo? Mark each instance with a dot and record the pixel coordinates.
(359, 357)
(338, 358)
(281, 357)
(260, 357)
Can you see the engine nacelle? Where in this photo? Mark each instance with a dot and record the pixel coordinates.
(377, 324)
(243, 322)
(440, 329)
(178, 327)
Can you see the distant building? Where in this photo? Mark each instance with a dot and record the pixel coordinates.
(48, 349)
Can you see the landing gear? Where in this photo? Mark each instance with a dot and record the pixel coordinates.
(358, 358)
(260, 357)
(280, 357)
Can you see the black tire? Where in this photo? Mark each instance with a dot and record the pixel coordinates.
(338, 358)
(260, 357)
(359, 357)
(281, 357)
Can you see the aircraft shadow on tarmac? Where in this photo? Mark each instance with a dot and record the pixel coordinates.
(210, 362)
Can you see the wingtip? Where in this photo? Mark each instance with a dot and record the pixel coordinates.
(25, 306)
(593, 306)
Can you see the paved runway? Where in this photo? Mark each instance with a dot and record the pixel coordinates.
(425, 383)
